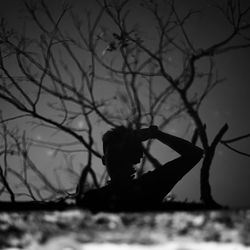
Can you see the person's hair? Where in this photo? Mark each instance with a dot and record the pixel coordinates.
(122, 142)
(114, 136)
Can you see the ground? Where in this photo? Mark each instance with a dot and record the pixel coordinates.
(76, 229)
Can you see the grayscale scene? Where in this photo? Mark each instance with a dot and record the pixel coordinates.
(124, 124)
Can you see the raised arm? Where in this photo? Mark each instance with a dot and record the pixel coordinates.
(161, 180)
(181, 146)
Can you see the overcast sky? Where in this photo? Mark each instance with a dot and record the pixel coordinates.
(228, 103)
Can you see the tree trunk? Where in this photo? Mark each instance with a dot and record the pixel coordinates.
(205, 188)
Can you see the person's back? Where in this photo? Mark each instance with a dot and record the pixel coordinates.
(122, 150)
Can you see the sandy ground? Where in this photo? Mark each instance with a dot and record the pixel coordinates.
(78, 230)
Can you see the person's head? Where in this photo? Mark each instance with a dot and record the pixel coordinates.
(121, 150)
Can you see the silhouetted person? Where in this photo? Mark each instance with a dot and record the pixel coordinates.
(123, 149)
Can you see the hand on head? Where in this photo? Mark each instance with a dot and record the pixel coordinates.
(124, 144)
(123, 149)
(146, 133)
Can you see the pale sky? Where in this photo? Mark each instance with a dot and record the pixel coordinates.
(228, 103)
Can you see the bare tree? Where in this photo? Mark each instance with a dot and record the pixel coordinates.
(68, 57)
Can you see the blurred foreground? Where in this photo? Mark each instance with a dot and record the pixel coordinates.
(76, 229)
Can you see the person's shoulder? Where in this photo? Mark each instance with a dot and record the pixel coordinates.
(97, 191)
(95, 199)
(145, 178)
